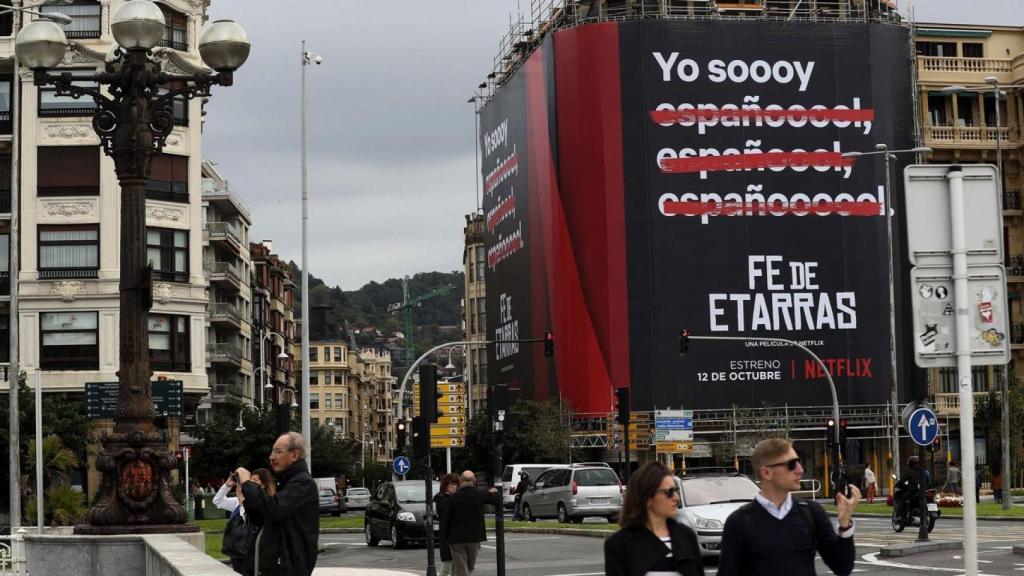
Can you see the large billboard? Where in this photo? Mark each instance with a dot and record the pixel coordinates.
(698, 181)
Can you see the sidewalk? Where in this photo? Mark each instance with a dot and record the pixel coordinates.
(358, 572)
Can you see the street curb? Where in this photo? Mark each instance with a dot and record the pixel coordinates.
(911, 548)
(341, 530)
(984, 518)
(567, 531)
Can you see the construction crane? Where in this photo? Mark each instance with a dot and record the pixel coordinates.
(406, 306)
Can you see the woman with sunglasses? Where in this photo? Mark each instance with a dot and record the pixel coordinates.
(650, 542)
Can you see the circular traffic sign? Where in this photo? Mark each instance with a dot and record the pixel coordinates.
(923, 426)
(401, 465)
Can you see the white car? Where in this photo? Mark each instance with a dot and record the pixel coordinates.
(356, 498)
(706, 500)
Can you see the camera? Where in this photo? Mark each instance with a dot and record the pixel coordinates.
(318, 59)
(234, 477)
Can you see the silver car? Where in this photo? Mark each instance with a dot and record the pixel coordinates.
(356, 498)
(571, 493)
(707, 500)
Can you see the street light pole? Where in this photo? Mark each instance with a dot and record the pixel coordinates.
(133, 120)
(307, 58)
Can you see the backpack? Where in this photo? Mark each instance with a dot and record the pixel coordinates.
(747, 514)
(239, 535)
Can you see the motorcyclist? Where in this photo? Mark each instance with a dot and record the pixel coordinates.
(908, 489)
(520, 491)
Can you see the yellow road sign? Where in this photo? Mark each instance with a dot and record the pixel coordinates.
(674, 447)
(442, 430)
(458, 399)
(447, 442)
(450, 420)
(451, 408)
(451, 388)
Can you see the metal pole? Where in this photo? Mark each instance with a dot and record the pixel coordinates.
(892, 317)
(263, 366)
(40, 508)
(448, 460)
(13, 371)
(499, 510)
(428, 514)
(476, 151)
(305, 272)
(1005, 385)
(961, 291)
(188, 493)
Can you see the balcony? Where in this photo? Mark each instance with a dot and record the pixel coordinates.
(225, 354)
(976, 137)
(961, 65)
(949, 403)
(225, 315)
(69, 272)
(226, 234)
(226, 275)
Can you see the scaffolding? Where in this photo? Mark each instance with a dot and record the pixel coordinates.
(528, 30)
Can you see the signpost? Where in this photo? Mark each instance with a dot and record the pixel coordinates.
(673, 431)
(101, 398)
(923, 426)
(401, 466)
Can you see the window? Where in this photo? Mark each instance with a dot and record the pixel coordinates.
(5, 105)
(5, 180)
(168, 253)
(168, 178)
(339, 378)
(314, 401)
(69, 251)
(327, 402)
(69, 341)
(51, 105)
(936, 49)
(481, 315)
(175, 29)
(481, 267)
(85, 16)
(168, 343)
(68, 171)
(337, 354)
(179, 104)
(483, 368)
(5, 272)
(312, 354)
(979, 379)
(973, 50)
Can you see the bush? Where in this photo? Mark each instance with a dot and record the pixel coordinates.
(64, 506)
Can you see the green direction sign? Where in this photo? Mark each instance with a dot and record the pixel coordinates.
(101, 398)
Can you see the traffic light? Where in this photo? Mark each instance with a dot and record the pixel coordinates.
(622, 405)
(400, 436)
(420, 436)
(684, 342)
(429, 393)
(830, 432)
(549, 345)
(842, 432)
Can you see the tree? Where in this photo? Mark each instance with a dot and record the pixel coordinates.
(221, 447)
(58, 461)
(334, 454)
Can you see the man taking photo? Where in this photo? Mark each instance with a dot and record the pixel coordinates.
(779, 535)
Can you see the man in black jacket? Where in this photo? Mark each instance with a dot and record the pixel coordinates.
(287, 545)
(464, 523)
(779, 535)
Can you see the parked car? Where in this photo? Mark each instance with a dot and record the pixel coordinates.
(356, 498)
(571, 493)
(510, 477)
(395, 513)
(706, 500)
(330, 503)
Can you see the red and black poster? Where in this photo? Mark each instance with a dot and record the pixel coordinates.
(699, 181)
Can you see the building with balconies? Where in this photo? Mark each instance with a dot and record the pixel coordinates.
(960, 126)
(226, 223)
(474, 310)
(273, 325)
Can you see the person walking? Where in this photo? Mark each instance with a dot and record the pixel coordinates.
(287, 545)
(779, 535)
(242, 529)
(449, 484)
(464, 523)
(651, 541)
(519, 491)
(953, 478)
(869, 483)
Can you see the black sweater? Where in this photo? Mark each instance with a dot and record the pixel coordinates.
(784, 547)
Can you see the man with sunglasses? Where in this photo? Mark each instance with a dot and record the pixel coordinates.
(777, 534)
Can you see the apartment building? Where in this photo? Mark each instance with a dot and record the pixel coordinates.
(273, 326)
(960, 125)
(474, 310)
(226, 258)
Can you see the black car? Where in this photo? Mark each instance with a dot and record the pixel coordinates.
(395, 513)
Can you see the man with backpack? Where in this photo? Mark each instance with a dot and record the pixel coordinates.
(779, 535)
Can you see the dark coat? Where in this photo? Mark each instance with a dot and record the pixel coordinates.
(287, 545)
(441, 508)
(464, 523)
(633, 551)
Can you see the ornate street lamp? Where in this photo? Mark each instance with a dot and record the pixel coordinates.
(133, 123)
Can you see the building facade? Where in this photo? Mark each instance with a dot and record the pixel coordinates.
(273, 326)
(474, 311)
(226, 259)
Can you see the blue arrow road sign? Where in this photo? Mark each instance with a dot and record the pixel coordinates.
(401, 465)
(923, 426)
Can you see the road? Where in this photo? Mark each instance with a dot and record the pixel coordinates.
(562, 555)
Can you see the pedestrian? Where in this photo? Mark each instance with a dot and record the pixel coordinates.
(287, 544)
(869, 483)
(449, 484)
(464, 523)
(519, 492)
(953, 478)
(651, 541)
(778, 534)
(996, 483)
(242, 529)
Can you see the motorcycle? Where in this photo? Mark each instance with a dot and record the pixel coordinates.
(909, 514)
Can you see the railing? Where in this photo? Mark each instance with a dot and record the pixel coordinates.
(222, 229)
(225, 311)
(1011, 200)
(69, 272)
(809, 488)
(227, 269)
(1015, 266)
(1017, 333)
(5, 122)
(972, 134)
(946, 403)
(960, 64)
(225, 352)
(5, 283)
(167, 196)
(12, 555)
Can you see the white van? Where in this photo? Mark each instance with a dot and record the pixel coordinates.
(510, 477)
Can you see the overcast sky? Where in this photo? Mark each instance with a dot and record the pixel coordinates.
(391, 137)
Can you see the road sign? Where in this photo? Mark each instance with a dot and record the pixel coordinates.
(456, 399)
(935, 316)
(101, 398)
(451, 388)
(450, 420)
(448, 409)
(447, 442)
(673, 431)
(923, 426)
(439, 430)
(401, 465)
